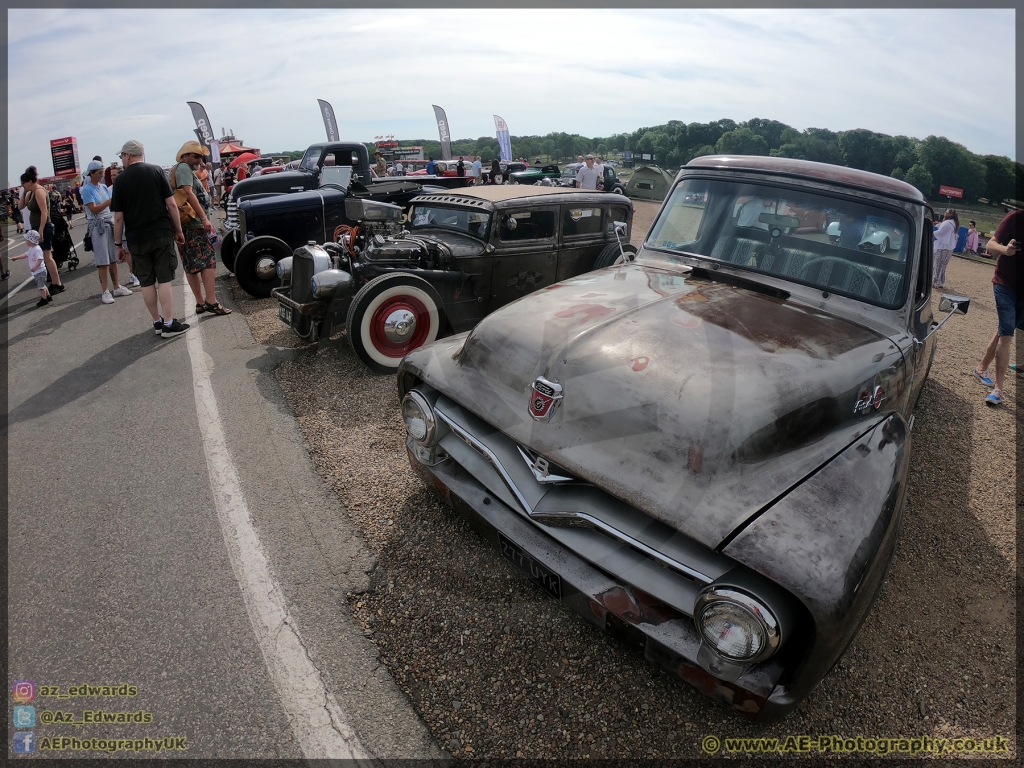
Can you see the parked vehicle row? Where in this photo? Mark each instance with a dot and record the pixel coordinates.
(701, 446)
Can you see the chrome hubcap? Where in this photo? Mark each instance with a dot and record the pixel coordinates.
(266, 268)
(399, 326)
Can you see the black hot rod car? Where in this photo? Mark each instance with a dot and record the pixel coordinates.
(465, 253)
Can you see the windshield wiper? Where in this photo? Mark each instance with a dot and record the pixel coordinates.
(740, 282)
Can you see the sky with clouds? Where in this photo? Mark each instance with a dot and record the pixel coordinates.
(104, 76)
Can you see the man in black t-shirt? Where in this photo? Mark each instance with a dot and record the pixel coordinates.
(145, 213)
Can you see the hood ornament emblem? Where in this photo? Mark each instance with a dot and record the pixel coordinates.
(544, 397)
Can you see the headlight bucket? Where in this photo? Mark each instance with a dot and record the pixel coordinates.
(284, 269)
(419, 418)
(736, 630)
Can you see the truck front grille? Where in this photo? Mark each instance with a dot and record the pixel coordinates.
(302, 274)
(231, 220)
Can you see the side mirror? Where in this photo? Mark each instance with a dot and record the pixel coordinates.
(952, 303)
(511, 222)
(620, 228)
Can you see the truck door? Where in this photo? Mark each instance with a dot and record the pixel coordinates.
(525, 256)
(920, 355)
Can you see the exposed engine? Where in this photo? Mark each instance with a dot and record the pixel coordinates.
(378, 242)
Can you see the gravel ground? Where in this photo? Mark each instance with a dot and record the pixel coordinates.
(497, 669)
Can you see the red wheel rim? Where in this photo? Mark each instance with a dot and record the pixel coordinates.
(386, 346)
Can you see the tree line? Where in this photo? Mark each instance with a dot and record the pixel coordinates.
(925, 163)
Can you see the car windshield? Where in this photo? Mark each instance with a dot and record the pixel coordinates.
(852, 248)
(475, 223)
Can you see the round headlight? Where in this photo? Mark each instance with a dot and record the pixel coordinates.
(419, 418)
(284, 268)
(736, 626)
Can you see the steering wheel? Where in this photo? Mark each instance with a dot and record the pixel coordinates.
(857, 267)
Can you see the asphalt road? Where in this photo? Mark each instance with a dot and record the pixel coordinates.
(128, 566)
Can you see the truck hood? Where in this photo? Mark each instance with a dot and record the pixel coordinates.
(699, 402)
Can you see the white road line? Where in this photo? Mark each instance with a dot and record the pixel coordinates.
(319, 724)
(14, 293)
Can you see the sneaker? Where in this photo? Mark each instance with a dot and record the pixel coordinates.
(1015, 369)
(176, 328)
(121, 291)
(5, 275)
(55, 289)
(983, 377)
(134, 282)
(158, 327)
(42, 303)
(49, 299)
(995, 397)
(106, 298)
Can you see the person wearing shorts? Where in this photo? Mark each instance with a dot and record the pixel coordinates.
(145, 212)
(100, 222)
(197, 254)
(1006, 246)
(36, 265)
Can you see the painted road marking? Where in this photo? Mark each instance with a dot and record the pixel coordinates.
(318, 721)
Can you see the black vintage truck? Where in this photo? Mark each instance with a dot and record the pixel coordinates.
(269, 216)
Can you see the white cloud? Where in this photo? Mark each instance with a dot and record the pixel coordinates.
(590, 72)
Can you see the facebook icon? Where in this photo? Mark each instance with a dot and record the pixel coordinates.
(24, 741)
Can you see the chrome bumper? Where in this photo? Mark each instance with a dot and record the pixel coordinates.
(312, 308)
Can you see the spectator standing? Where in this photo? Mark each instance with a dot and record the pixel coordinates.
(972, 239)
(478, 169)
(144, 208)
(431, 166)
(1008, 288)
(218, 183)
(241, 173)
(945, 241)
(203, 174)
(100, 224)
(114, 172)
(586, 176)
(399, 170)
(495, 175)
(37, 202)
(37, 266)
(380, 165)
(197, 255)
(460, 168)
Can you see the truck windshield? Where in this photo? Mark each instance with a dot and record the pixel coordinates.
(852, 248)
(475, 223)
(309, 160)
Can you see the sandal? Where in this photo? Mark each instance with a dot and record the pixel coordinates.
(200, 308)
(217, 309)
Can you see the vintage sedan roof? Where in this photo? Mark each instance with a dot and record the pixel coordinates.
(885, 185)
(499, 194)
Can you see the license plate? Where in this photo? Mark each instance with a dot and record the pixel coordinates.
(537, 573)
(285, 313)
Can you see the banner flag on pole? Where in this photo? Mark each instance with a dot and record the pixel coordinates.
(203, 129)
(442, 129)
(504, 140)
(330, 122)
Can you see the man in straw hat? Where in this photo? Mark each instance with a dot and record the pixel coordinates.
(144, 209)
(197, 255)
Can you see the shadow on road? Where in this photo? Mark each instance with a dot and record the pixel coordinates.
(91, 375)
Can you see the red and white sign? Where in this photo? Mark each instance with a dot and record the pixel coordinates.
(950, 191)
(65, 157)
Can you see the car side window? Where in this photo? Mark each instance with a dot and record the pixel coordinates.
(579, 221)
(615, 214)
(527, 225)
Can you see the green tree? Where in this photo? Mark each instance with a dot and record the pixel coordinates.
(769, 130)
(602, 150)
(919, 176)
(742, 141)
(999, 178)
(486, 155)
(701, 151)
(954, 165)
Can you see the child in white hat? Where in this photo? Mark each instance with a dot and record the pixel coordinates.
(36, 266)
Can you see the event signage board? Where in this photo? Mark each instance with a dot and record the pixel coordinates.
(407, 153)
(504, 140)
(950, 191)
(443, 132)
(330, 121)
(65, 157)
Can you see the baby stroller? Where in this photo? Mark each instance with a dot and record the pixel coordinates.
(63, 244)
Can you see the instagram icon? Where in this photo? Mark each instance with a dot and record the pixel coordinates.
(24, 691)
